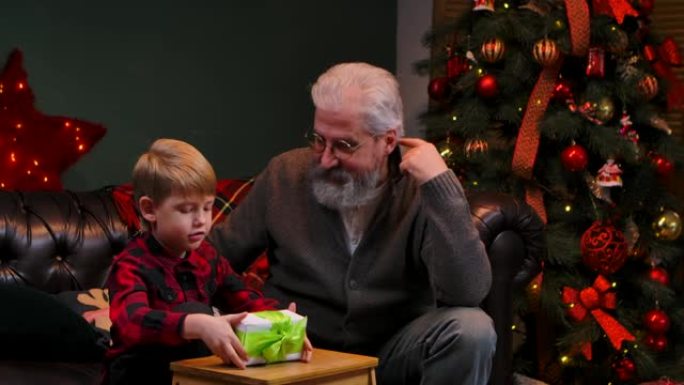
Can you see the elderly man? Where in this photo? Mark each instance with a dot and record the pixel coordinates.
(375, 247)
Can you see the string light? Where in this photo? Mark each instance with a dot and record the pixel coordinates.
(568, 208)
(34, 163)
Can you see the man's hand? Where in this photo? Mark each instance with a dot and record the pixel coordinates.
(307, 349)
(217, 333)
(421, 160)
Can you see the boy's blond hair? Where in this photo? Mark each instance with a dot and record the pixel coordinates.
(172, 167)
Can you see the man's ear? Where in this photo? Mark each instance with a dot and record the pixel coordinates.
(390, 140)
(146, 205)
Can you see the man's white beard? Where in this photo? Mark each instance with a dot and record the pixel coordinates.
(338, 189)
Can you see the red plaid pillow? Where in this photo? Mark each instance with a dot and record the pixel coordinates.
(229, 192)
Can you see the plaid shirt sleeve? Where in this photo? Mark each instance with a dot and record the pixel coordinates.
(235, 296)
(134, 322)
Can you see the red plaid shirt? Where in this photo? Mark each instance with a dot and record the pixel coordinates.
(146, 284)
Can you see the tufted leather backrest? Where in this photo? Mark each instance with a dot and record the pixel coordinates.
(58, 241)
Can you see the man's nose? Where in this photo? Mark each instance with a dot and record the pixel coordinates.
(328, 158)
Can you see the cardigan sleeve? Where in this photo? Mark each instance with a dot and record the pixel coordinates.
(451, 249)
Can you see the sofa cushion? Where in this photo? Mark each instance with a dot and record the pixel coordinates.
(93, 306)
(36, 326)
(229, 192)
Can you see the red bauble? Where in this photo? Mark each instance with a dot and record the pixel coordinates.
(657, 342)
(439, 88)
(645, 6)
(656, 321)
(487, 87)
(574, 158)
(624, 369)
(662, 165)
(456, 66)
(660, 275)
(603, 248)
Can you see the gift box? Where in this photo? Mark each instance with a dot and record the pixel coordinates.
(272, 336)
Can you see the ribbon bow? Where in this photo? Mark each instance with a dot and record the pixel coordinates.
(617, 9)
(662, 59)
(283, 338)
(592, 300)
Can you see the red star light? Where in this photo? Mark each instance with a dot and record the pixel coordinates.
(35, 149)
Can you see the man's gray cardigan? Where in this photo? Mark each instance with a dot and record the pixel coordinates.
(420, 250)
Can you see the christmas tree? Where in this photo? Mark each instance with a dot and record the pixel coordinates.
(563, 104)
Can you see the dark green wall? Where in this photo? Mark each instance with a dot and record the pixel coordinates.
(231, 77)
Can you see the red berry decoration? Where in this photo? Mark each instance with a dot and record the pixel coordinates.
(660, 275)
(545, 52)
(493, 50)
(574, 158)
(439, 88)
(487, 87)
(662, 165)
(657, 342)
(603, 248)
(624, 369)
(563, 90)
(656, 321)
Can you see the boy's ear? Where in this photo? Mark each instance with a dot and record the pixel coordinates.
(146, 205)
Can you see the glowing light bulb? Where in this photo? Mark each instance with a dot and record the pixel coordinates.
(67, 124)
(568, 208)
(20, 85)
(18, 125)
(81, 147)
(45, 179)
(28, 172)
(13, 158)
(35, 162)
(513, 327)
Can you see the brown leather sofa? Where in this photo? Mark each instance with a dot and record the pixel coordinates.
(65, 241)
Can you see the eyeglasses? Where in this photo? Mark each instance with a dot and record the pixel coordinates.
(341, 148)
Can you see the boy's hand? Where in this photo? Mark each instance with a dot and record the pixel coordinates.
(217, 333)
(307, 349)
(421, 160)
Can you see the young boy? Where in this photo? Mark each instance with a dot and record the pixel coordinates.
(163, 284)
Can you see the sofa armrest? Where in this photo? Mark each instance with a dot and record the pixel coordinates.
(514, 237)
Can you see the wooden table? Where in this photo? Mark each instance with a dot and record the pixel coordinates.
(326, 367)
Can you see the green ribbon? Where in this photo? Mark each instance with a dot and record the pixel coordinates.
(283, 338)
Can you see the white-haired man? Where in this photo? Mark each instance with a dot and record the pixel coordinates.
(375, 247)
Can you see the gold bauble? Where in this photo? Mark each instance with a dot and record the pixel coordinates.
(605, 109)
(648, 87)
(476, 146)
(546, 52)
(493, 50)
(618, 41)
(668, 226)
